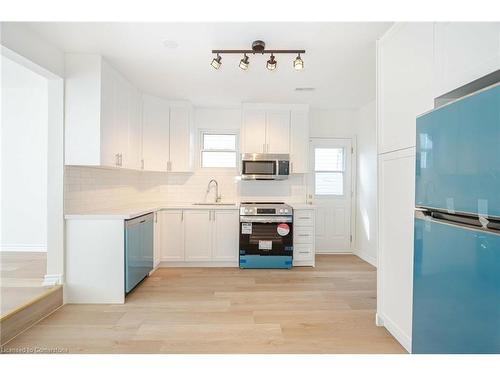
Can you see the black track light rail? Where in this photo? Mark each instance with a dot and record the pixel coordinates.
(251, 51)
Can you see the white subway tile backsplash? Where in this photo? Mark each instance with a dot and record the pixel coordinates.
(88, 188)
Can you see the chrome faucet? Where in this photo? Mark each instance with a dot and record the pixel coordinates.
(217, 196)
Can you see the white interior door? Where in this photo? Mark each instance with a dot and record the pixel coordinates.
(330, 189)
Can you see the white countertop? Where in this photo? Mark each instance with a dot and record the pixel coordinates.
(129, 212)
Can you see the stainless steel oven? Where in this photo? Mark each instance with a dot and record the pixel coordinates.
(265, 166)
(266, 235)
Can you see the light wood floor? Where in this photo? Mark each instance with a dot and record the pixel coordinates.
(21, 277)
(327, 309)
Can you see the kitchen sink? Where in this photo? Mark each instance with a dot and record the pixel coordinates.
(213, 204)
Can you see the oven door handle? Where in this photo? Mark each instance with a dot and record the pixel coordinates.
(266, 219)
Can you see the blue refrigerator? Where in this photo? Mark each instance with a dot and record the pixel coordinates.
(456, 270)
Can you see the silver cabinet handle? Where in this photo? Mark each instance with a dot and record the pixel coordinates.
(117, 160)
(291, 167)
(169, 166)
(304, 235)
(263, 147)
(142, 163)
(303, 252)
(156, 217)
(121, 159)
(182, 215)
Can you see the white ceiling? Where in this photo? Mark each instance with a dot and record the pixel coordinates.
(339, 62)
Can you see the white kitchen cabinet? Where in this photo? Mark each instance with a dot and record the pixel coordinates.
(132, 159)
(225, 235)
(168, 135)
(278, 132)
(303, 237)
(404, 82)
(253, 131)
(299, 141)
(172, 235)
(201, 236)
(155, 133)
(277, 129)
(181, 138)
(395, 248)
(464, 51)
(102, 122)
(198, 235)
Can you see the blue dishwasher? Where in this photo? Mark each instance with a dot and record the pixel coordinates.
(138, 250)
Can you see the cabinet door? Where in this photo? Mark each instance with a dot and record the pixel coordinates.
(395, 257)
(122, 117)
(405, 83)
(134, 149)
(155, 133)
(226, 235)
(254, 131)
(172, 235)
(299, 141)
(109, 148)
(197, 229)
(278, 132)
(464, 51)
(180, 139)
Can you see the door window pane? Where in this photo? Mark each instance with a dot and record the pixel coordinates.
(329, 159)
(329, 183)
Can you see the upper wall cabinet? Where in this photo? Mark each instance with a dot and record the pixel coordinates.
(464, 51)
(277, 129)
(102, 115)
(167, 135)
(404, 83)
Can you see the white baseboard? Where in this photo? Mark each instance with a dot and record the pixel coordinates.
(50, 280)
(37, 248)
(366, 257)
(394, 330)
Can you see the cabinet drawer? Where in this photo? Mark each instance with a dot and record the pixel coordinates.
(302, 252)
(303, 235)
(303, 218)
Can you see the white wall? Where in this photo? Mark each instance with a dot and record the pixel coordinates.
(328, 123)
(366, 184)
(19, 38)
(24, 158)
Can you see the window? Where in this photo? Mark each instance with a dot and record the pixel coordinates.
(218, 150)
(329, 168)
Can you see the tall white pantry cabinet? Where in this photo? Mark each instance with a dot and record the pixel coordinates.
(416, 62)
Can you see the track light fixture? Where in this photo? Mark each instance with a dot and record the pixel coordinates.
(244, 62)
(259, 47)
(298, 63)
(216, 62)
(271, 63)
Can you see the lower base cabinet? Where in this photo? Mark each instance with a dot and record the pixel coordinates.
(207, 236)
(303, 237)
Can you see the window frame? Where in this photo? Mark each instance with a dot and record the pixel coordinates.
(203, 132)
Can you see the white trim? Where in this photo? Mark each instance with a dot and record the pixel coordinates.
(37, 248)
(379, 321)
(51, 280)
(366, 257)
(166, 264)
(394, 330)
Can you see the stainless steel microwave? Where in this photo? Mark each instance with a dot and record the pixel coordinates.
(265, 166)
